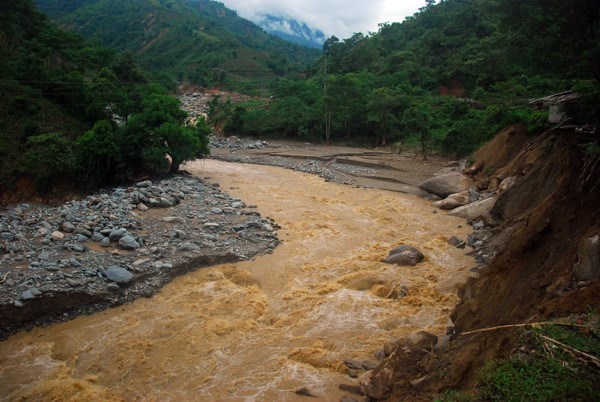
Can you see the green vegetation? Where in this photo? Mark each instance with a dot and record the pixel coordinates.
(74, 112)
(443, 80)
(196, 41)
(558, 362)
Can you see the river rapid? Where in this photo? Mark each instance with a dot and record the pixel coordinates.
(259, 330)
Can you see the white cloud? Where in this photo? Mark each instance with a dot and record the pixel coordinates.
(341, 18)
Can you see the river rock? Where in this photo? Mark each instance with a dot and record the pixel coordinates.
(405, 255)
(31, 294)
(98, 237)
(453, 200)
(353, 364)
(506, 183)
(188, 246)
(116, 234)
(587, 265)
(83, 231)
(68, 227)
(446, 184)
(474, 210)
(172, 219)
(422, 340)
(456, 241)
(142, 207)
(57, 236)
(128, 243)
(118, 274)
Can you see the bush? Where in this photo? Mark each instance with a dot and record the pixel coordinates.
(48, 158)
(98, 155)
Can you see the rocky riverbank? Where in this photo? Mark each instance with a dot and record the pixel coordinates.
(117, 245)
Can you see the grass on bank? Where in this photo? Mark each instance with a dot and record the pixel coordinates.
(555, 362)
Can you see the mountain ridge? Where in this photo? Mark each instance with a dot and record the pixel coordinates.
(197, 41)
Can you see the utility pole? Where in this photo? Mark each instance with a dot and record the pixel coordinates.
(327, 112)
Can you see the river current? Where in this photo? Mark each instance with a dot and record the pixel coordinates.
(259, 330)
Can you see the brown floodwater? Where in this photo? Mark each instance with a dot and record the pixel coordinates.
(258, 330)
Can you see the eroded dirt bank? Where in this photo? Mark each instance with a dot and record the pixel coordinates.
(261, 329)
(544, 229)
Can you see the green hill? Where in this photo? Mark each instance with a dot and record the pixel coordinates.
(198, 41)
(77, 114)
(444, 79)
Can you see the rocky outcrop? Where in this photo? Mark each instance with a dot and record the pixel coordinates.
(446, 184)
(474, 210)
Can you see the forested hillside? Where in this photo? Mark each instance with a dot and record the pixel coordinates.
(198, 41)
(444, 79)
(78, 113)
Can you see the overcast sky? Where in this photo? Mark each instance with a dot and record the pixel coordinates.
(341, 18)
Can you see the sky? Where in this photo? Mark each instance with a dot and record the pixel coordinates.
(341, 18)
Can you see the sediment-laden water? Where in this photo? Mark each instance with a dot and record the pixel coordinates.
(258, 330)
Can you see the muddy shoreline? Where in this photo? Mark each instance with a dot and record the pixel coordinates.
(111, 247)
(51, 277)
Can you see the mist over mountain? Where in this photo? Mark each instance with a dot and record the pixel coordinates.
(291, 30)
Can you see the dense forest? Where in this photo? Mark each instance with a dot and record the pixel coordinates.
(443, 80)
(197, 41)
(492, 56)
(74, 112)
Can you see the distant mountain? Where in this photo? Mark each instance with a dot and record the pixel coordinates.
(198, 41)
(292, 30)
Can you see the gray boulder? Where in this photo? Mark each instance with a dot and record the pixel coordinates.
(446, 184)
(189, 246)
(31, 294)
(128, 243)
(474, 210)
(405, 255)
(116, 234)
(118, 274)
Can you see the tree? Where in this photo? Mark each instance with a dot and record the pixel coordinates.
(98, 154)
(417, 119)
(381, 105)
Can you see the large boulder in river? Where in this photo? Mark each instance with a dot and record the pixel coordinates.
(474, 210)
(405, 255)
(446, 184)
(454, 200)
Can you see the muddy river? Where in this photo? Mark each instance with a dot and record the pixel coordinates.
(258, 330)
